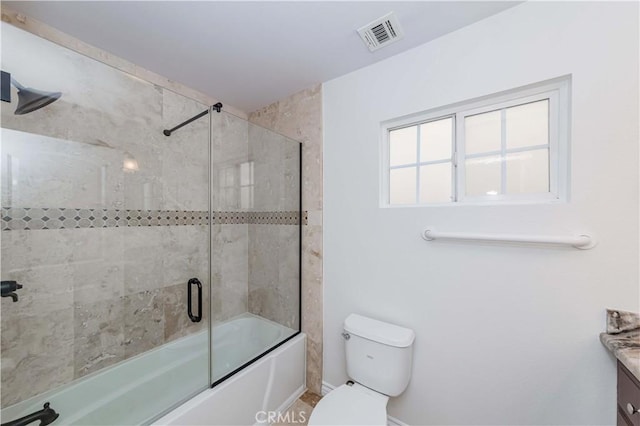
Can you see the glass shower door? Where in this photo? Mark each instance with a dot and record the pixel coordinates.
(256, 228)
(105, 231)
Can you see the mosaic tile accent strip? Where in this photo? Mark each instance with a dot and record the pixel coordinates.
(27, 218)
(274, 218)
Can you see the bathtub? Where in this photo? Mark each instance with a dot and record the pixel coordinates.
(241, 339)
(135, 391)
(270, 384)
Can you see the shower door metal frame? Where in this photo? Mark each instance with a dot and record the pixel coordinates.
(210, 245)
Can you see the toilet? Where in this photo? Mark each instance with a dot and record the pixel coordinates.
(379, 356)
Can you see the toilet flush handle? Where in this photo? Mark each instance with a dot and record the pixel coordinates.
(346, 336)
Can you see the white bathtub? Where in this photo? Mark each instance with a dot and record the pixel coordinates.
(272, 383)
(241, 339)
(135, 391)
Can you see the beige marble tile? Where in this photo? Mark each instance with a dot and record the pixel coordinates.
(229, 267)
(143, 322)
(185, 167)
(229, 138)
(311, 298)
(176, 321)
(37, 353)
(264, 247)
(52, 172)
(98, 339)
(230, 163)
(24, 249)
(97, 263)
(45, 289)
(145, 188)
(273, 273)
(310, 398)
(266, 151)
(184, 254)
(143, 259)
(300, 117)
(289, 274)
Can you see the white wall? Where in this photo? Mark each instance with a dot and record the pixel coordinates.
(505, 335)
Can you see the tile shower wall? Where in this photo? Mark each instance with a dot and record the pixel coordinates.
(229, 256)
(274, 284)
(255, 180)
(97, 290)
(300, 117)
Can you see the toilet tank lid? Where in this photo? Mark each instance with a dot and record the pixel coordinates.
(379, 331)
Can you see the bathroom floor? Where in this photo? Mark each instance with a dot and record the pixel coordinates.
(300, 411)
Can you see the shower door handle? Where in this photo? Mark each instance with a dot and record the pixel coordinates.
(192, 281)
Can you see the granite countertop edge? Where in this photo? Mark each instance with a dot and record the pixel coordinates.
(625, 347)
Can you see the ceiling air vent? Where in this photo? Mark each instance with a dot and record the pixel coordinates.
(381, 32)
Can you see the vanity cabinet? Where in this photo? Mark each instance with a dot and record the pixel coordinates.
(628, 398)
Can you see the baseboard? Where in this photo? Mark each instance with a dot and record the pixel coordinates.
(326, 388)
(391, 421)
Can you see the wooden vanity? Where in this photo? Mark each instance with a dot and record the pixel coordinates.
(628, 398)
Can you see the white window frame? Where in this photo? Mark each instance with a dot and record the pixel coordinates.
(558, 93)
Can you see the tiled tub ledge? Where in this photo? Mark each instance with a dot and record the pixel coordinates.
(624, 344)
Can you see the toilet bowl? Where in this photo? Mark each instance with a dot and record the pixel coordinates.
(351, 405)
(379, 358)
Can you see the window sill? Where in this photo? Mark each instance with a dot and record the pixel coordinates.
(490, 203)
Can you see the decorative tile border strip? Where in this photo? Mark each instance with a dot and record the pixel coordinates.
(274, 218)
(27, 218)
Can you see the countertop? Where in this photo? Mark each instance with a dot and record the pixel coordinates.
(625, 345)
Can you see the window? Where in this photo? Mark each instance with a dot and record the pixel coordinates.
(505, 148)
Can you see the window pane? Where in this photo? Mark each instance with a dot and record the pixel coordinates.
(403, 146)
(436, 140)
(435, 183)
(483, 175)
(483, 132)
(402, 186)
(528, 124)
(528, 172)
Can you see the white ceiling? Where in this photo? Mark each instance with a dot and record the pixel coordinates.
(250, 54)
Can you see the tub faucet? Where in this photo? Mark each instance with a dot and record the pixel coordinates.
(46, 416)
(8, 288)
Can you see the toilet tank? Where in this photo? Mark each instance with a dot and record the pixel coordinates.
(379, 354)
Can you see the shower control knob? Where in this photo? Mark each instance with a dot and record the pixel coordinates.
(631, 409)
(346, 336)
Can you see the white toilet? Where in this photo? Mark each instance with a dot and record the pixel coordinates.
(379, 358)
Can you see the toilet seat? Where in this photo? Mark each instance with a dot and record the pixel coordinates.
(351, 405)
